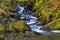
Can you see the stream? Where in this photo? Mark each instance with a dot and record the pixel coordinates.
(31, 21)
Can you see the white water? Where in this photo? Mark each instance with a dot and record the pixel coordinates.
(33, 22)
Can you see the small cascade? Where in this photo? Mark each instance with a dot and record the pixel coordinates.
(32, 21)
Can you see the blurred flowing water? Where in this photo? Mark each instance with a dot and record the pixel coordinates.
(31, 21)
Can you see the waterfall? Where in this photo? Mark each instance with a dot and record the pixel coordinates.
(33, 22)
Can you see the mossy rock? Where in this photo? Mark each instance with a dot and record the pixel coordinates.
(19, 26)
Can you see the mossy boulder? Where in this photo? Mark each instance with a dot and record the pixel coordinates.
(18, 26)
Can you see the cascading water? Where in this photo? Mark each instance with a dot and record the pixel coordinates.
(32, 21)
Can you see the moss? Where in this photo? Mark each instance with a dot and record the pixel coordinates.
(1, 28)
(58, 14)
(56, 25)
(19, 25)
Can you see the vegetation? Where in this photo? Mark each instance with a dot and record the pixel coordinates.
(48, 11)
(6, 10)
